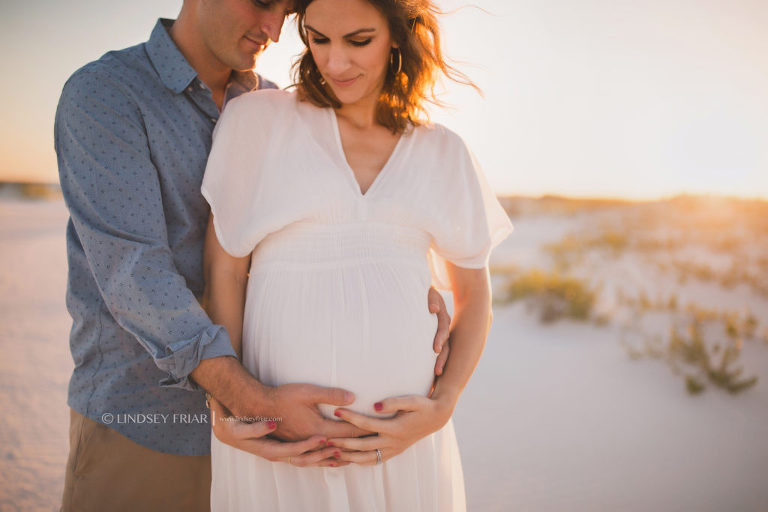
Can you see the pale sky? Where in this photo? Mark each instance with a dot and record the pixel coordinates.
(630, 98)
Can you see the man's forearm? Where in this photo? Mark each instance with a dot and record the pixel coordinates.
(232, 385)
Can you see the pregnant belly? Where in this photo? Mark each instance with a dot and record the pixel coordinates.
(365, 329)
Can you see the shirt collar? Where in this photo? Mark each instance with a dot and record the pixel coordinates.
(245, 80)
(174, 70)
(241, 82)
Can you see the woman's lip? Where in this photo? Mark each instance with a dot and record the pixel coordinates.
(345, 83)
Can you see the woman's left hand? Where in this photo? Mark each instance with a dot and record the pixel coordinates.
(441, 343)
(417, 417)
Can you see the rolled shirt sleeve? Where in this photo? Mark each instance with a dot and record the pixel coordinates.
(112, 189)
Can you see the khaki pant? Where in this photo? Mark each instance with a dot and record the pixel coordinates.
(108, 471)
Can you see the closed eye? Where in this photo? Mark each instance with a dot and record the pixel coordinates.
(320, 38)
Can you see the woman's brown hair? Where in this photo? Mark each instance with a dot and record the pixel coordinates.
(414, 28)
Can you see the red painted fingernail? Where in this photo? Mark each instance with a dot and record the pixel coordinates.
(271, 425)
(329, 443)
(378, 406)
(333, 464)
(337, 414)
(337, 454)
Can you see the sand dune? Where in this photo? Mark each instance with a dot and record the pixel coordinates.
(557, 416)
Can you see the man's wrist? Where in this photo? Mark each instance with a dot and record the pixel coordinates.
(226, 380)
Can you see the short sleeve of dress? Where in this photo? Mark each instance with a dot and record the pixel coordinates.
(234, 181)
(469, 220)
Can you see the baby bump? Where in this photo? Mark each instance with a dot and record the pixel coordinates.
(366, 329)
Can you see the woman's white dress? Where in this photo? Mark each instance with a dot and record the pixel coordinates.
(337, 294)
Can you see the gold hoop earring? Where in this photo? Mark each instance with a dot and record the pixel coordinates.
(399, 61)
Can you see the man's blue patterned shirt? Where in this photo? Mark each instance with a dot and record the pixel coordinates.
(133, 131)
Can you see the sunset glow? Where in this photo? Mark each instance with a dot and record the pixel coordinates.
(586, 98)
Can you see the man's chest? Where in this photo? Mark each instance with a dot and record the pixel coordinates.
(178, 143)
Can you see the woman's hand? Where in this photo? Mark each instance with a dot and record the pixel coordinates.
(417, 417)
(440, 344)
(252, 437)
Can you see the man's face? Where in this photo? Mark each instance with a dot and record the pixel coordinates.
(236, 32)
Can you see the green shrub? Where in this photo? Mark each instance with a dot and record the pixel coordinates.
(690, 353)
(553, 295)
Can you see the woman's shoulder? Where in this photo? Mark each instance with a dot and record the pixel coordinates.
(440, 138)
(261, 103)
(263, 97)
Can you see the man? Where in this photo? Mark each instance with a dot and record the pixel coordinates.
(132, 134)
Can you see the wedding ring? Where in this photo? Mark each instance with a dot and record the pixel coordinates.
(378, 456)
(289, 460)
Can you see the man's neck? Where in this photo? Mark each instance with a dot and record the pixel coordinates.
(209, 69)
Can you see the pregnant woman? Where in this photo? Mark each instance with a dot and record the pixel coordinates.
(329, 204)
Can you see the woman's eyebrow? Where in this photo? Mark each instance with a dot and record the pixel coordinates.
(356, 32)
(351, 34)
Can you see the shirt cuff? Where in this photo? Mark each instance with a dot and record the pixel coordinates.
(185, 355)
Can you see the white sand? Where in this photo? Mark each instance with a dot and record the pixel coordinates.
(556, 417)
(35, 362)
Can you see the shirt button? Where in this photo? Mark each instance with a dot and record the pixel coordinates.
(213, 120)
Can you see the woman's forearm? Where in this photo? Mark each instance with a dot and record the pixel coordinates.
(469, 330)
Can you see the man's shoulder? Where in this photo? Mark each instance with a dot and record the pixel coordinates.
(114, 71)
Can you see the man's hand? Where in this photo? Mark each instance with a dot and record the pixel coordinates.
(440, 345)
(296, 406)
(416, 417)
(252, 438)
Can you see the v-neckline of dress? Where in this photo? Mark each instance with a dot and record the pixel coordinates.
(348, 169)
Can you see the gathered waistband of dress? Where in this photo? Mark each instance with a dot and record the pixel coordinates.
(308, 243)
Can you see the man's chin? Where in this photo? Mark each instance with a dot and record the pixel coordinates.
(246, 63)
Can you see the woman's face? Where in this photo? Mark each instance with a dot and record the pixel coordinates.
(350, 43)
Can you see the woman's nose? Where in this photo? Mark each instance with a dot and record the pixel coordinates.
(338, 61)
